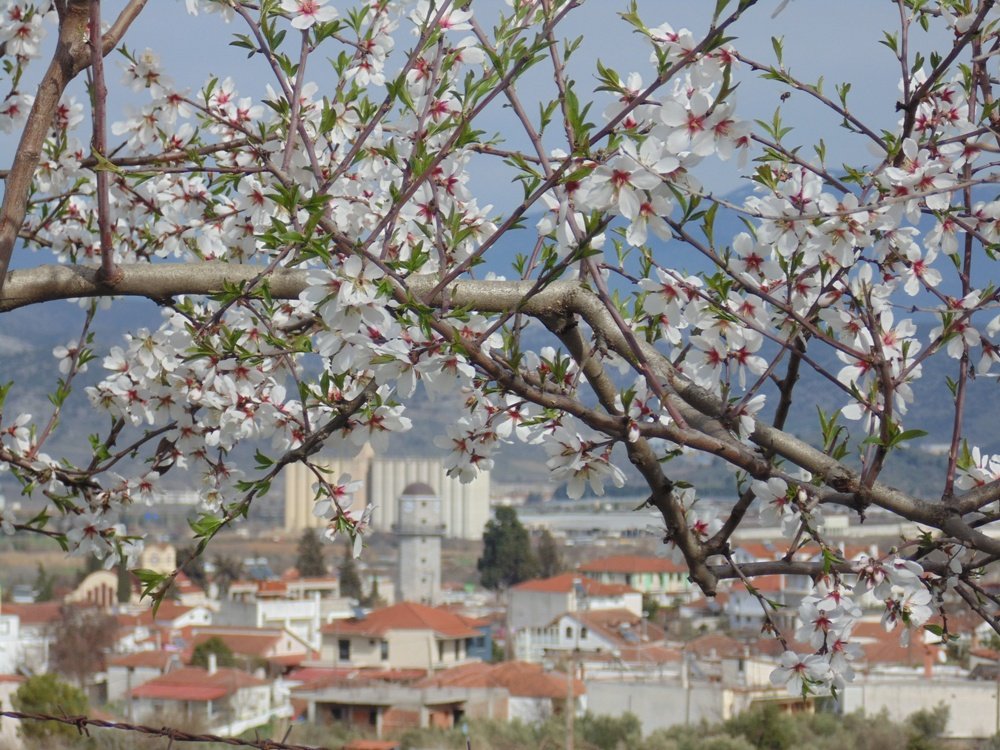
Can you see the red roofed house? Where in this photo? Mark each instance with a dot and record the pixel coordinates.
(217, 700)
(654, 576)
(440, 700)
(132, 670)
(277, 647)
(34, 626)
(534, 694)
(405, 635)
(628, 638)
(534, 605)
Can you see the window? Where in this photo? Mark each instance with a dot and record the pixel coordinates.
(384, 650)
(569, 631)
(344, 649)
(458, 649)
(583, 633)
(440, 650)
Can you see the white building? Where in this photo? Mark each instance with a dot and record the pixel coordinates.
(217, 700)
(536, 603)
(419, 531)
(465, 508)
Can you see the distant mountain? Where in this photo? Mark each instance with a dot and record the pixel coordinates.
(29, 335)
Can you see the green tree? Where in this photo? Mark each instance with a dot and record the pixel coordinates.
(227, 570)
(223, 654)
(44, 584)
(374, 598)
(309, 561)
(507, 555)
(610, 732)
(350, 581)
(47, 694)
(766, 728)
(550, 561)
(926, 726)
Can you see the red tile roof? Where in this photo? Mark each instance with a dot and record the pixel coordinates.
(985, 653)
(632, 564)
(257, 642)
(196, 684)
(39, 613)
(563, 584)
(521, 679)
(272, 588)
(404, 616)
(881, 647)
(149, 659)
(618, 626)
(169, 611)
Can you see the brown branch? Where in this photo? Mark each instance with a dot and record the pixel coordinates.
(703, 410)
(99, 144)
(71, 57)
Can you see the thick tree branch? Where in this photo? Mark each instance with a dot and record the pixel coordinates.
(71, 57)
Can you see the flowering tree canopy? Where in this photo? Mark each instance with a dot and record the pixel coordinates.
(318, 252)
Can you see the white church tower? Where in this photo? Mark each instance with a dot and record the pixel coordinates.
(419, 528)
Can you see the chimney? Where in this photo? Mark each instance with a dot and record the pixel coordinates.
(213, 664)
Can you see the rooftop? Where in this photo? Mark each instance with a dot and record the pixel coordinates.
(196, 684)
(620, 626)
(404, 616)
(565, 582)
(520, 679)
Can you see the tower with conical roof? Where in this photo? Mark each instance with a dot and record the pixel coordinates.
(419, 529)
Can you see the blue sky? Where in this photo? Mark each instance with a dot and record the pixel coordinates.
(837, 40)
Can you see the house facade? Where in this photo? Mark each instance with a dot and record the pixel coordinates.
(658, 577)
(536, 603)
(402, 636)
(217, 700)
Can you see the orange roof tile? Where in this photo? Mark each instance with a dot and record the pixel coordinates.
(196, 684)
(150, 659)
(521, 679)
(985, 653)
(404, 616)
(169, 611)
(257, 642)
(615, 624)
(632, 564)
(38, 613)
(563, 584)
